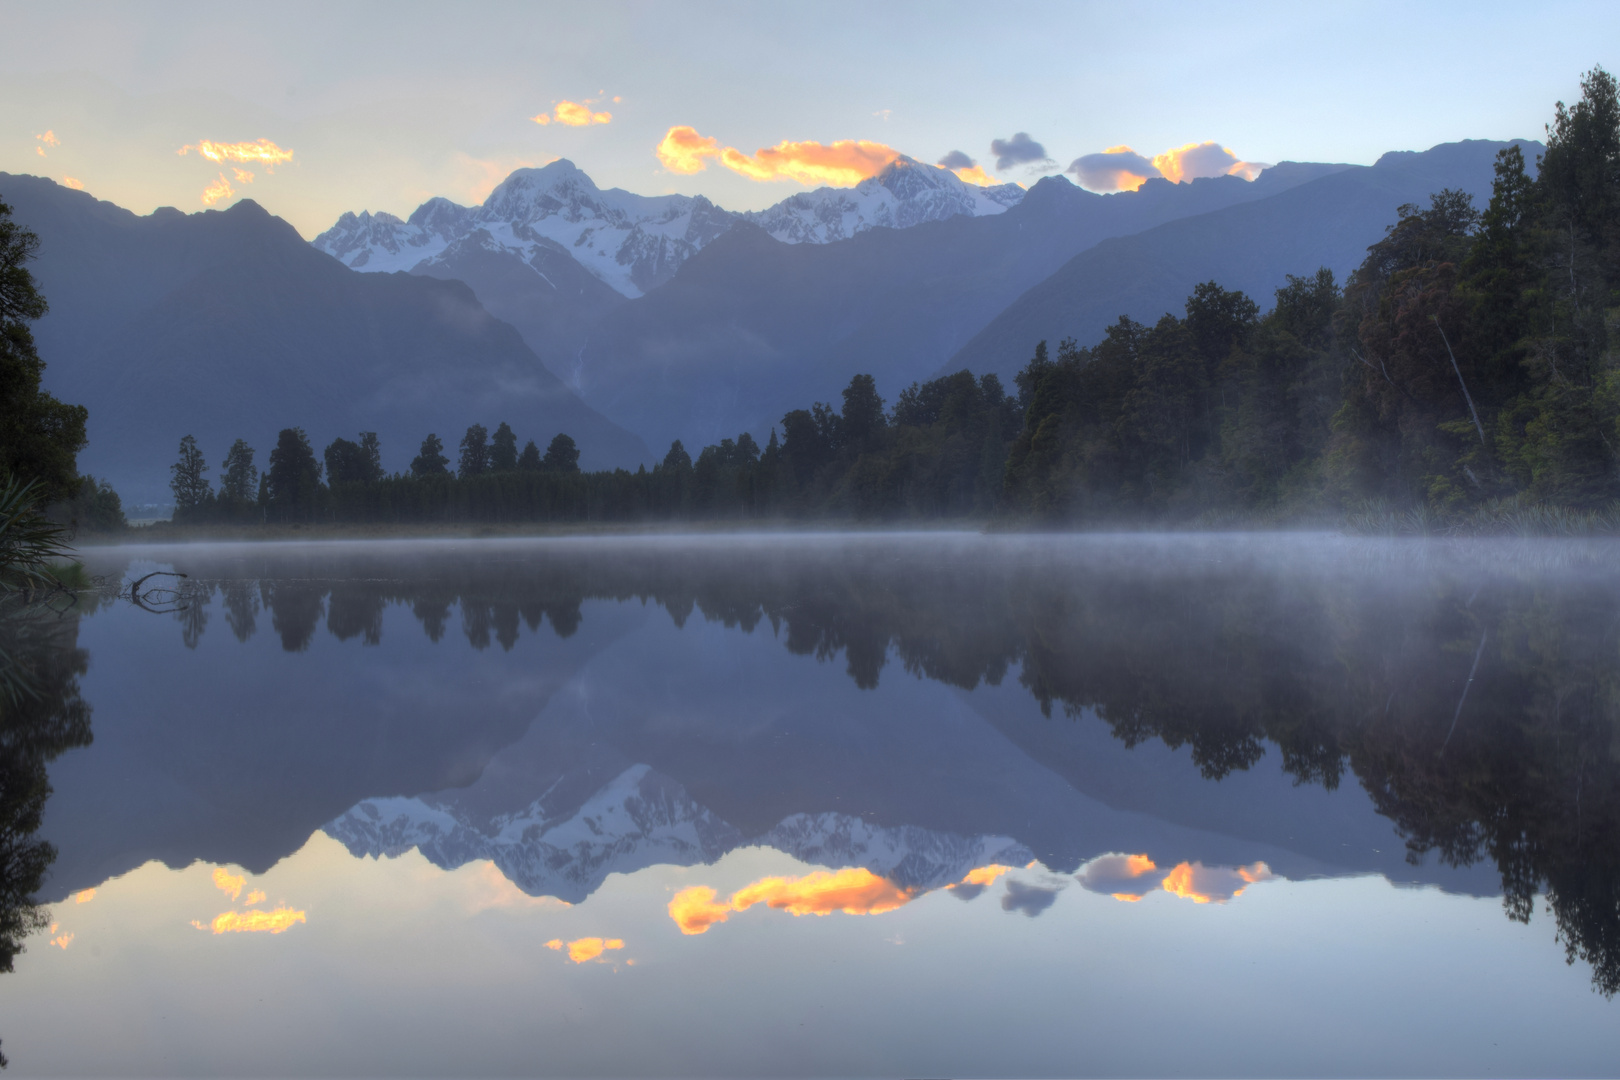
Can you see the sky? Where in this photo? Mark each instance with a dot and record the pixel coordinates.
(317, 109)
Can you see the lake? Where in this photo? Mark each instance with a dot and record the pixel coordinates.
(831, 805)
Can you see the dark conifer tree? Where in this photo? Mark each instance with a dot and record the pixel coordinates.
(503, 453)
(240, 480)
(562, 456)
(371, 453)
(294, 478)
(346, 463)
(529, 460)
(430, 461)
(188, 480)
(474, 452)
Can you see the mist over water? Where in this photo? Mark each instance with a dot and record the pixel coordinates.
(1310, 773)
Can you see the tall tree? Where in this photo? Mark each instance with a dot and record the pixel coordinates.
(562, 456)
(371, 451)
(503, 453)
(430, 460)
(529, 460)
(862, 420)
(347, 463)
(474, 452)
(294, 477)
(240, 481)
(40, 437)
(188, 480)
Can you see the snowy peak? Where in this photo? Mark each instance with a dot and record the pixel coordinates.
(904, 194)
(638, 819)
(632, 242)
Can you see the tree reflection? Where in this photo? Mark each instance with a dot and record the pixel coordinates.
(1477, 706)
(41, 716)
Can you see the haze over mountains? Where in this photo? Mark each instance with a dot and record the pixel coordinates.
(226, 324)
(630, 321)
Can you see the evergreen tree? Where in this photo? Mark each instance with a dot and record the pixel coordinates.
(40, 437)
(474, 452)
(347, 463)
(862, 421)
(529, 460)
(188, 481)
(430, 460)
(562, 456)
(371, 451)
(503, 453)
(292, 483)
(677, 460)
(239, 484)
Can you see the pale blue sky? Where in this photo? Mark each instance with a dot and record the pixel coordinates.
(387, 104)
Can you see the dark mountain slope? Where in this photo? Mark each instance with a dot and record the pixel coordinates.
(1328, 222)
(227, 324)
(749, 327)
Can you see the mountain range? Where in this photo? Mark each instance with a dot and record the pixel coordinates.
(630, 321)
(227, 324)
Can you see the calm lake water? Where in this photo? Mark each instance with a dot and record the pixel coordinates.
(936, 805)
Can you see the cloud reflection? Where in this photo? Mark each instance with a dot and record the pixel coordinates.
(228, 883)
(583, 949)
(275, 921)
(1131, 877)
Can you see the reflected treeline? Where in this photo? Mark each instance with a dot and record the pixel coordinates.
(1471, 690)
(41, 715)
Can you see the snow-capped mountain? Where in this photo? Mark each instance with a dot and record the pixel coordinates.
(638, 819)
(630, 242)
(904, 194)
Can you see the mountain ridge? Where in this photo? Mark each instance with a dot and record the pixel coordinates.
(227, 324)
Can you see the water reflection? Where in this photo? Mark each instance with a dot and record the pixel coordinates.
(42, 715)
(1468, 690)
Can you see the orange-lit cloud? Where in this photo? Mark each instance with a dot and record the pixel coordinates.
(49, 139)
(228, 883)
(695, 910)
(683, 150)
(263, 151)
(1120, 168)
(841, 164)
(84, 897)
(62, 941)
(254, 897)
(853, 891)
(253, 922)
(1196, 160)
(242, 175)
(1213, 884)
(975, 174)
(986, 875)
(588, 948)
(76, 185)
(1124, 877)
(219, 189)
(574, 114)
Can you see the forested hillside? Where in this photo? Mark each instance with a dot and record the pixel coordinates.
(1463, 376)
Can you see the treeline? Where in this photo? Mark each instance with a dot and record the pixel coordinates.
(1463, 374)
(938, 453)
(1466, 368)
